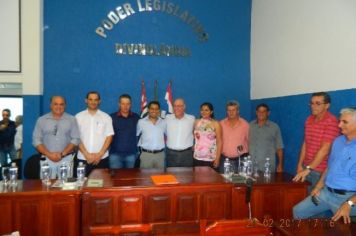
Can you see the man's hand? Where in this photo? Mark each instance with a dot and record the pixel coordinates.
(88, 157)
(216, 163)
(301, 175)
(54, 156)
(300, 168)
(344, 212)
(315, 191)
(96, 158)
(3, 126)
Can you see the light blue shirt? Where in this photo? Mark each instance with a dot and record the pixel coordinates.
(342, 165)
(152, 135)
(54, 134)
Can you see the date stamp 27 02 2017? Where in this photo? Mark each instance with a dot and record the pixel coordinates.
(297, 223)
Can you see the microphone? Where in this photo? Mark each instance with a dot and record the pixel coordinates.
(249, 183)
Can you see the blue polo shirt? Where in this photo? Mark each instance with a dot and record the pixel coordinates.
(342, 165)
(124, 140)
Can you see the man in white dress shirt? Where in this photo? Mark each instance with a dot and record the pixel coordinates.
(96, 131)
(179, 136)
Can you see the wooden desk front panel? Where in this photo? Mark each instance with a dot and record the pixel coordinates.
(40, 213)
(103, 211)
(275, 201)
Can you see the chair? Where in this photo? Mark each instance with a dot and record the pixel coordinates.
(32, 167)
(234, 227)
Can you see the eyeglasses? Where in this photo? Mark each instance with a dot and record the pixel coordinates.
(55, 129)
(316, 103)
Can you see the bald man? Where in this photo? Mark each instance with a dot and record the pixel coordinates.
(56, 135)
(179, 136)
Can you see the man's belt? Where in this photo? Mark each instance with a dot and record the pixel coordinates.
(182, 150)
(242, 155)
(151, 151)
(339, 191)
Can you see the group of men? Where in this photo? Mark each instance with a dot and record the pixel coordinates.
(10, 137)
(328, 162)
(114, 140)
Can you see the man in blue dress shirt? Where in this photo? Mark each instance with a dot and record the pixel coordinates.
(336, 189)
(56, 135)
(152, 130)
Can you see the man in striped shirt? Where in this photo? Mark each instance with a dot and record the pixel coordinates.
(320, 128)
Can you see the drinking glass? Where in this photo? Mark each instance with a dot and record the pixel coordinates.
(5, 172)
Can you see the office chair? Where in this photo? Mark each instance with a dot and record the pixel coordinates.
(32, 167)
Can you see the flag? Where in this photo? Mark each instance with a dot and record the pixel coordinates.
(143, 100)
(155, 91)
(169, 97)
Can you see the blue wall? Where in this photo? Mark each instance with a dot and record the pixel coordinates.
(77, 60)
(290, 113)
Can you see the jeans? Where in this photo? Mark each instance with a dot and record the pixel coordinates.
(328, 201)
(6, 152)
(117, 161)
(313, 178)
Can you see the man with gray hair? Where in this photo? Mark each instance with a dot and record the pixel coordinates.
(179, 136)
(235, 132)
(336, 189)
(56, 135)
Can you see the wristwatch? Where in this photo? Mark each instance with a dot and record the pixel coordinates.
(308, 168)
(351, 203)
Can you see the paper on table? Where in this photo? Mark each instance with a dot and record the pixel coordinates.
(164, 179)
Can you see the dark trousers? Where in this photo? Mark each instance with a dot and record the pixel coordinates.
(179, 158)
(204, 163)
(103, 164)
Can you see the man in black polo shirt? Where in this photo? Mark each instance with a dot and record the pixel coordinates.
(7, 136)
(123, 152)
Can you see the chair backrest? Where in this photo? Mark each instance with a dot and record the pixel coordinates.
(234, 227)
(32, 167)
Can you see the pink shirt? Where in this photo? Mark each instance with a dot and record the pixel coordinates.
(233, 136)
(205, 141)
(324, 130)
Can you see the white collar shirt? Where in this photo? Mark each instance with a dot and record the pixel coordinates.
(94, 129)
(180, 132)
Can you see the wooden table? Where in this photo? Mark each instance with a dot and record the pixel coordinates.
(129, 201)
(33, 209)
(131, 198)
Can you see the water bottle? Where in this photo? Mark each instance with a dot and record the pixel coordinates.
(13, 174)
(63, 172)
(80, 173)
(267, 171)
(46, 173)
(255, 168)
(249, 166)
(227, 168)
